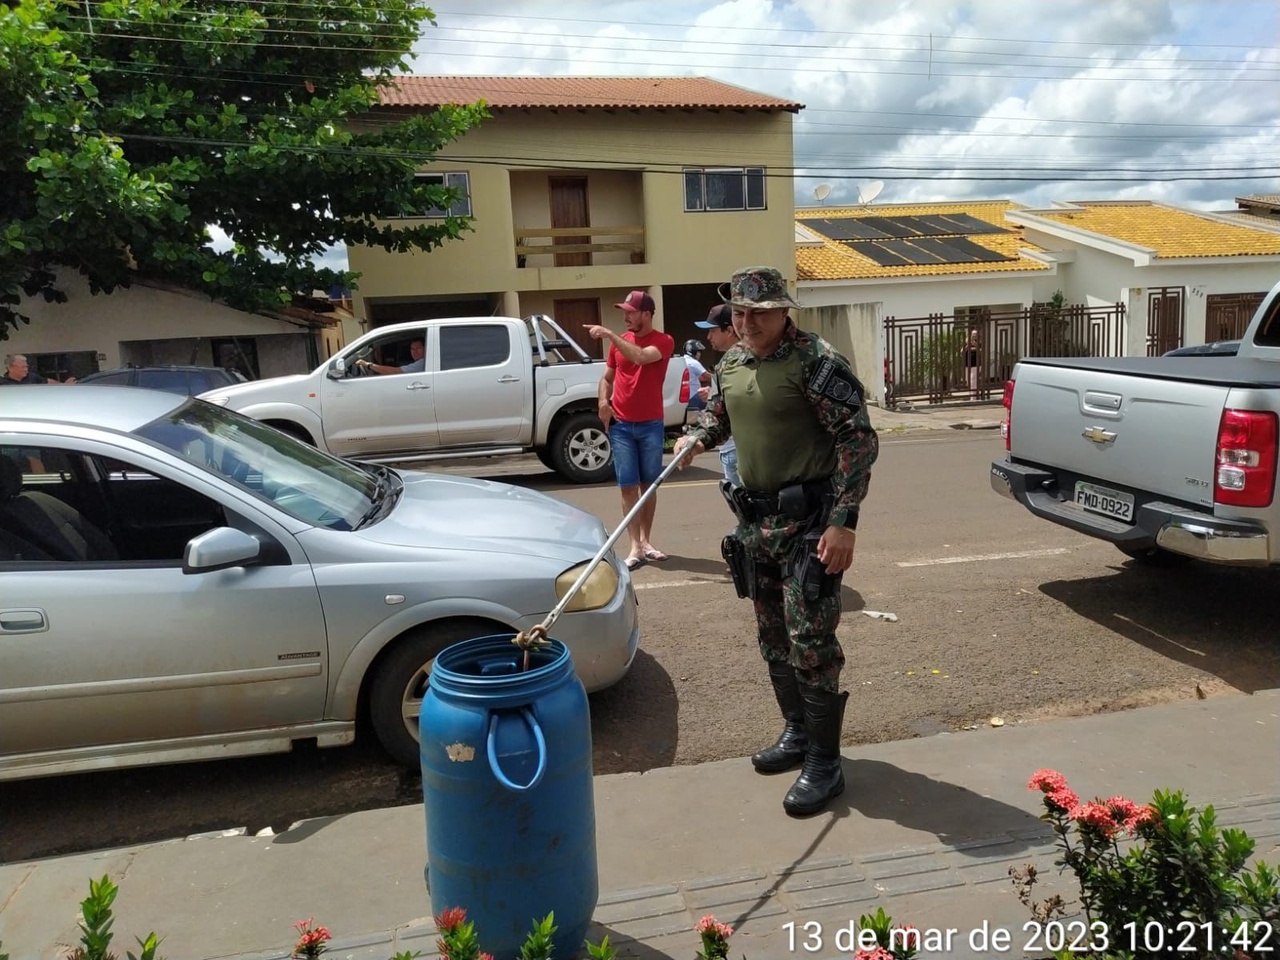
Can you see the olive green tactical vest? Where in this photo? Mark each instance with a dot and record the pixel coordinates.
(780, 440)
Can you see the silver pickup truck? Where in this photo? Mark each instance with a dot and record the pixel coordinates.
(484, 386)
(1166, 457)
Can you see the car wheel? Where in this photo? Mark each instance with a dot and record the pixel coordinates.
(545, 456)
(293, 430)
(580, 451)
(1156, 557)
(400, 682)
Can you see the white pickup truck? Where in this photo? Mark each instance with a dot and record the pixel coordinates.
(1166, 457)
(489, 386)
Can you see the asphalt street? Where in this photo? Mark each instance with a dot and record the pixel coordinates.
(1001, 619)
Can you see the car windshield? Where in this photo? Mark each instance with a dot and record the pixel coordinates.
(299, 479)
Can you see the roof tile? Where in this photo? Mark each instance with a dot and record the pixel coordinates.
(620, 93)
(1169, 231)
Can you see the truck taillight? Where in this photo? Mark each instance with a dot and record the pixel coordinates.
(1245, 473)
(1006, 426)
(684, 385)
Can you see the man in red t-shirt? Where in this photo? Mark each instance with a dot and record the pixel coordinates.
(632, 411)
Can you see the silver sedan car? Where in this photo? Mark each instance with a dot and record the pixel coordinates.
(179, 582)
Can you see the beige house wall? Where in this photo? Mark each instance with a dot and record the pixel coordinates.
(633, 165)
(854, 330)
(177, 324)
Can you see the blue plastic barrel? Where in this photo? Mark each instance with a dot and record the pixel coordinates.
(506, 781)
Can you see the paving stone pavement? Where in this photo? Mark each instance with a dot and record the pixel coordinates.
(927, 829)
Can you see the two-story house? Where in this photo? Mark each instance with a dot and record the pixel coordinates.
(584, 188)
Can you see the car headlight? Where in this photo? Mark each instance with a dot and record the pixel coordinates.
(595, 593)
(220, 401)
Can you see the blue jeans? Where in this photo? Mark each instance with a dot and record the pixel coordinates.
(637, 451)
(729, 463)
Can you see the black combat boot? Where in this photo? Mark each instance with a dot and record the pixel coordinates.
(793, 743)
(821, 780)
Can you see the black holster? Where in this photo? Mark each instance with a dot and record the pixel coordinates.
(803, 563)
(742, 566)
(810, 572)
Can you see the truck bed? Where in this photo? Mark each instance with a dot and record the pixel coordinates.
(1216, 371)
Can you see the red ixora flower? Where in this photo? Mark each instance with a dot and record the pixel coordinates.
(1047, 781)
(450, 919)
(311, 940)
(878, 953)
(1097, 815)
(710, 924)
(1059, 797)
(1129, 815)
(906, 935)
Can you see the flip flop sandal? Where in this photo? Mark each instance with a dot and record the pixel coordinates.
(657, 556)
(635, 563)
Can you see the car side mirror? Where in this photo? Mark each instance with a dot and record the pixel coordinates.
(337, 369)
(220, 549)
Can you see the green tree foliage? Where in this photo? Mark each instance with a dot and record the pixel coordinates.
(128, 127)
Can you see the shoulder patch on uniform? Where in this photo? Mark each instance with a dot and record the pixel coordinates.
(830, 379)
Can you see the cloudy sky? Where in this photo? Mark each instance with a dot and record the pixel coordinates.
(1172, 100)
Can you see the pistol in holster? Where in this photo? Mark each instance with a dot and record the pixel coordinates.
(742, 566)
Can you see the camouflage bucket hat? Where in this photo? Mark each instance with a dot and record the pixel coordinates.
(761, 287)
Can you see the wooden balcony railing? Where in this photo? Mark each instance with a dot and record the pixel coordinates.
(532, 241)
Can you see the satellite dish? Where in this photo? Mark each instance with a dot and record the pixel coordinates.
(821, 192)
(870, 191)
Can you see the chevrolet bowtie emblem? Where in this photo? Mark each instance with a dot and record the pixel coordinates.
(1099, 435)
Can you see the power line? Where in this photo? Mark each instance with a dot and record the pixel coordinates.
(772, 173)
(790, 68)
(528, 37)
(843, 33)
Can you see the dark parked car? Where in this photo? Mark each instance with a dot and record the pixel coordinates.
(188, 381)
(1222, 348)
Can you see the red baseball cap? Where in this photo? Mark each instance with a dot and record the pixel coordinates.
(637, 300)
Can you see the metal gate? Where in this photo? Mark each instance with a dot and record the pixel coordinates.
(1226, 315)
(1165, 316)
(953, 357)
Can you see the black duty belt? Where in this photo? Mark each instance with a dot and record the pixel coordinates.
(795, 500)
(764, 503)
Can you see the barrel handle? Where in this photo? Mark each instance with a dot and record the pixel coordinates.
(493, 751)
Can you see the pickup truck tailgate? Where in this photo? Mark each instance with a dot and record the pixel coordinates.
(1119, 429)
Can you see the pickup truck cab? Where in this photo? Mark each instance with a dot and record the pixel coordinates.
(1166, 457)
(487, 386)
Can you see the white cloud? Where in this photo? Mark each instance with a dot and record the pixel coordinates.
(1074, 91)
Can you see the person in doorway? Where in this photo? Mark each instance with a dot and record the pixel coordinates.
(719, 327)
(970, 353)
(805, 451)
(631, 409)
(418, 363)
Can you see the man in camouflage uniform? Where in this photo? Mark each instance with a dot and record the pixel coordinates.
(804, 437)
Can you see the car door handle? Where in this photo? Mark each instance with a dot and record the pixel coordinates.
(23, 621)
(508, 379)
(418, 386)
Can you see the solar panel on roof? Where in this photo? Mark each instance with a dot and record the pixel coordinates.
(925, 251)
(972, 226)
(943, 249)
(878, 253)
(939, 226)
(889, 226)
(911, 251)
(845, 228)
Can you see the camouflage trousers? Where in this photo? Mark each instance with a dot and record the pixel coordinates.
(792, 628)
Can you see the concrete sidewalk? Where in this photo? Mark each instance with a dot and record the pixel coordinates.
(983, 415)
(927, 829)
